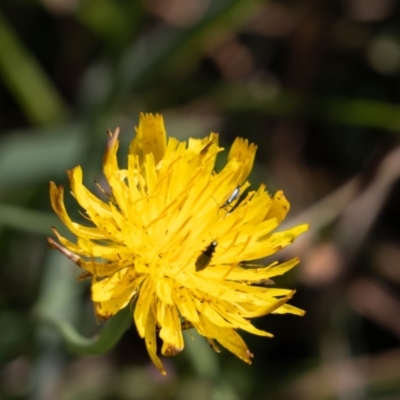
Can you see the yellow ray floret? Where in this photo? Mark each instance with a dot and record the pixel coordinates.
(177, 240)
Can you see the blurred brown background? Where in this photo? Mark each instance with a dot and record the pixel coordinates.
(315, 83)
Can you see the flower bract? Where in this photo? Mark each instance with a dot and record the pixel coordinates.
(177, 241)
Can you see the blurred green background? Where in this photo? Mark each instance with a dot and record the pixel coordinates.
(315, 83)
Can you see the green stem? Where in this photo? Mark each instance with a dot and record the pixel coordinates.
(102, 343)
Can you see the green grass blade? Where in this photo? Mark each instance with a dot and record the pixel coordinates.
(26, 80)
(27, 220)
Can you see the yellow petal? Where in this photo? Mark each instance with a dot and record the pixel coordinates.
(150, 137)
(252, 274)
(57, 202)
(115, 285)
(271, 307)
(279, 207)
(164, 289)
(228, 338)
(143, 304)
(107, 309)
(110, 164)
(171, 331)
(287, 308)
(243, 153)
(184, 301)
(151, 341)
(99, 212)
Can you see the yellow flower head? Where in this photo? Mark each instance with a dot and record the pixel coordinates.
(177, 237)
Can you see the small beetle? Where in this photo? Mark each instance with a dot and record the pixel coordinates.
(232, 197)
(206, 147)
(204, 259)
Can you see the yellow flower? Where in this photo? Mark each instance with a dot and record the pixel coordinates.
(179, 238)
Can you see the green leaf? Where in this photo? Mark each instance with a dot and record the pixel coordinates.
(27, 220)
(114, 21)
(270, 100)
(173, 48)
(30, 157)
(27, 81)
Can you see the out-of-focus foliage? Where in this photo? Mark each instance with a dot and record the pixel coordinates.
(314, 83)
